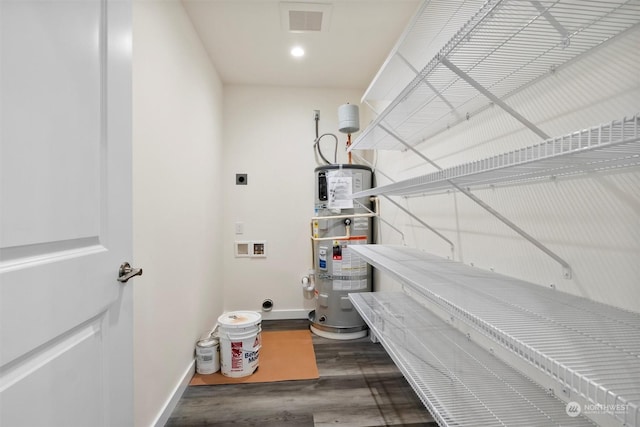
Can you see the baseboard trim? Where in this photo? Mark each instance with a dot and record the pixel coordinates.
(285, 314)
(174, 398)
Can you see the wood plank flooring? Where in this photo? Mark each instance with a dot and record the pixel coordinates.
(359, 385)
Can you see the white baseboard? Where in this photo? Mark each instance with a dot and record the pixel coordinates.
(173, 399)
(285, 314)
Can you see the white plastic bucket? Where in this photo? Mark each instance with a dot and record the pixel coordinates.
(239, 333)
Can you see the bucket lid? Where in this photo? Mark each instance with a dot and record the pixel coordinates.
(239, 319)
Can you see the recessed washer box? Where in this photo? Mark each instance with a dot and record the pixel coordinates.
(250, 249)
(259, 249)
(242, 249)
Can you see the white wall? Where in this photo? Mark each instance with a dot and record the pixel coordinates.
(592, 221)
(269, 133)
(177, 161)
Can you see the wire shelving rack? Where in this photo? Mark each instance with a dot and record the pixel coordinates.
(586, 347)
(503, 47)
(458, 381)
(608, 146)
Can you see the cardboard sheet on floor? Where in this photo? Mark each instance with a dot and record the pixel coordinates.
(284, 356)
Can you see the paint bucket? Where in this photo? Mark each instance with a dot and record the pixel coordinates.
(240, 343)
(208, 356)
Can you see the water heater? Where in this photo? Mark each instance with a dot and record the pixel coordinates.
(339, 223)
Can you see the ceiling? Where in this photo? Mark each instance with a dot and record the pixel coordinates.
(249, 43)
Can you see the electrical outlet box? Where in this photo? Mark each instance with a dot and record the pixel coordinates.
(259, 249)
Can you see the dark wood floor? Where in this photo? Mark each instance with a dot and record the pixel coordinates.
(358, 386)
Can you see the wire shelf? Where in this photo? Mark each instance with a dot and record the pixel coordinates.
(457, 380)
(589, 348)
(608, 146)
(432, 26)
(504, 46)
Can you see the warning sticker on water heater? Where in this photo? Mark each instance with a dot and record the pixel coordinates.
(340, 190)
(345, 261)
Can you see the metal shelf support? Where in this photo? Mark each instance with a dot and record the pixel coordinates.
(409, 147)
(500, 103)
(566, 268)
(424, 224)
(426, 82)
(379, 216)
(553, 21)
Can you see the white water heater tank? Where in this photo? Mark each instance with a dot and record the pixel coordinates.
(338, 270)
(348, 118)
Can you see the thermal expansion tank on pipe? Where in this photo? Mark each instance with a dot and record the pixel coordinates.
(339, 271)
(348, 118)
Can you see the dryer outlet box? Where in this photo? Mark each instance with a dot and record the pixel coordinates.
(241, 179)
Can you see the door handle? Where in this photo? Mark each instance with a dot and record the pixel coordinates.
(126, 272)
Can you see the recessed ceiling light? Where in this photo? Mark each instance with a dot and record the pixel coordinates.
(297, 52)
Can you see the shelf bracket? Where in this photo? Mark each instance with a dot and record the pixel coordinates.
(544, 12)
(394, 228)
(378, 171)
(424, 80)
(408, 146)
(372, 166)
(403, 209)
(497, 101)
(421, 222)
(377, 215)
(566, 268)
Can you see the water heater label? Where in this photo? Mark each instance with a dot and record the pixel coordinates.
(348, 263)
(360, 224)
(322, 258)
(349, 285)
(340, 190)
(357, 182)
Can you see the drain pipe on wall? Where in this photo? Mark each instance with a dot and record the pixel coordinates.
(267, 305)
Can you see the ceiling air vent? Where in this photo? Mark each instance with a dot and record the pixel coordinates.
(305, 17)
(300, 20)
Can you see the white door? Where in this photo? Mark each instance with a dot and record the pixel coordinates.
(65, 206)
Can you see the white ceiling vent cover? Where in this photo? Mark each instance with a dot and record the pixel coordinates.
(301, 20)
(299, 17)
